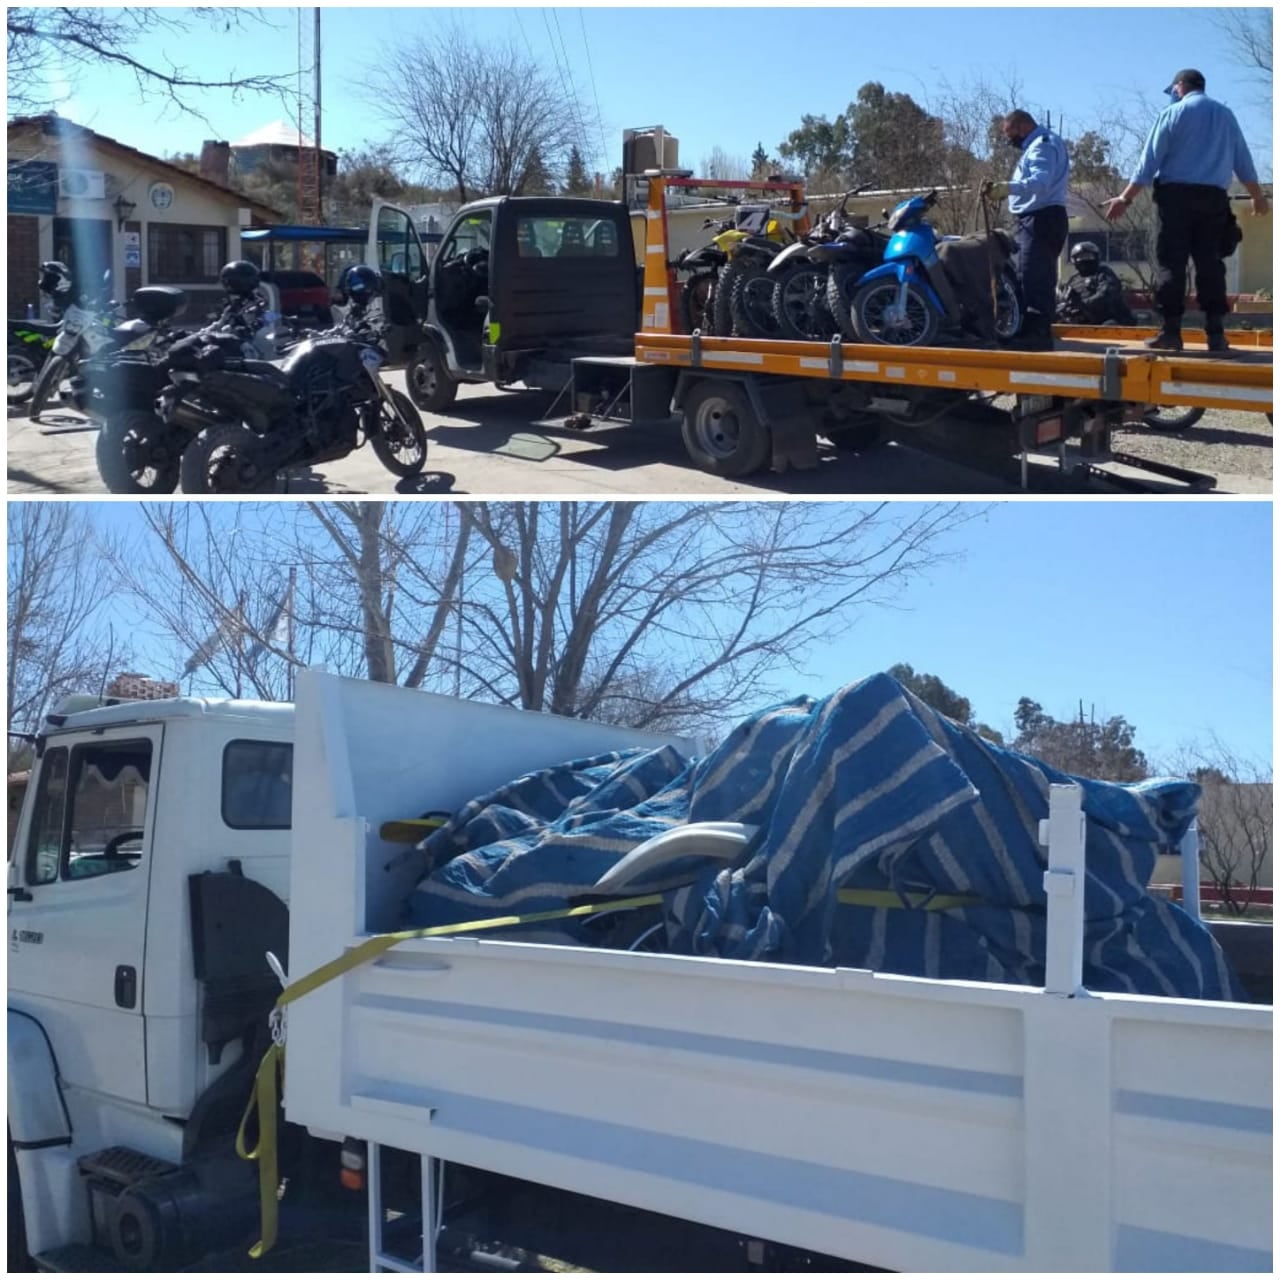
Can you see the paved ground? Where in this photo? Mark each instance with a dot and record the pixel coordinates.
(491, 443)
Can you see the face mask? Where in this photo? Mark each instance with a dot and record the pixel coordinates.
(1087, 267)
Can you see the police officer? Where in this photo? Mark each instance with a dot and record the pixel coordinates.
(1095, 294)
(1038, 201)
(1190, 154)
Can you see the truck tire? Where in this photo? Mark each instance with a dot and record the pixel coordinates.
(137, 453)
(430, 386)
(47, 384)
(721, 430)
(19, 1258)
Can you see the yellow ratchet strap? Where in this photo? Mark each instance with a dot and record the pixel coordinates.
(266, 1088)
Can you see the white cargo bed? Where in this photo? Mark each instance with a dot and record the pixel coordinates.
(902, 1123)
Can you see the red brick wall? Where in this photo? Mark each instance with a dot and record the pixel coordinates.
(24, 264)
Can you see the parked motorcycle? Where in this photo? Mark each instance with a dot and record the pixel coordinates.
(86, 330)
(138, 450)
(318, 404)
(31, 340)
(909, 298)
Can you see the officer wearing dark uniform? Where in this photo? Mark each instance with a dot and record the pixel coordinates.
(1095, 294)
(1192, 151)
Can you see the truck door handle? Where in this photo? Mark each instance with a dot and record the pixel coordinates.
(19, 894)
(126, 986)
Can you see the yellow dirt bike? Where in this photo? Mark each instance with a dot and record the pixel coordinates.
(741, 296)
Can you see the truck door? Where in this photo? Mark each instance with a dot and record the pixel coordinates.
(395, 249)
(78, 891)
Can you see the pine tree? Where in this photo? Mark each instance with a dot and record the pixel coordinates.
(577, 179)
(760, 162)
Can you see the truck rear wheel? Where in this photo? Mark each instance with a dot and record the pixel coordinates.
(430, 386)
(722, 432)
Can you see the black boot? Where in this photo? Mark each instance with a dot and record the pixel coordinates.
(1218, 344)
(1168, 339)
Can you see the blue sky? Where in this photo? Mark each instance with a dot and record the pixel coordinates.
(1155, 610)
(713, 77)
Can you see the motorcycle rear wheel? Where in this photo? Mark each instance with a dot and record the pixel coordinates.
(841, 281)
(137, 453)
(751, 305)
(401, 446)
(47, 384)
(695, 301)
(220, 460)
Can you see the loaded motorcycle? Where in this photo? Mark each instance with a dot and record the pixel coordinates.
(802, 272)
(909, 298)
(742, 297)
(318, 404)
(704, 264)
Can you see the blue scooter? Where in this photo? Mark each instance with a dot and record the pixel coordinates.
(908, 298)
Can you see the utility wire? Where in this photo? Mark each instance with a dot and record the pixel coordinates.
(604, 145)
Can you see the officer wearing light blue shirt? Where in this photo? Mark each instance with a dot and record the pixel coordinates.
(1191, 153)
(1038, 202)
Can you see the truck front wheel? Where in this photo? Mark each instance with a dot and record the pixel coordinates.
(722, 431)
(430, 386)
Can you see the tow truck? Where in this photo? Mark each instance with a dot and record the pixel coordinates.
(750, 404)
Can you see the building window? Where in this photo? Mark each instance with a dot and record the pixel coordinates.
(185, 255)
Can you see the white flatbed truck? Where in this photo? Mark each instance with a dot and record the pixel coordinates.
(873, 1120)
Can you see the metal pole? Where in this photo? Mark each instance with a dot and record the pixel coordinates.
(290, 605)
(319, 152)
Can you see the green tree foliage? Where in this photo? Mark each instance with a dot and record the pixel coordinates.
(820, 147)
(1086, 746)
(761, 163)
(895, 141)
(942, 698)
(577, 180)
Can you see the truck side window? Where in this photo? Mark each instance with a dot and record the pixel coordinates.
(110, 781)
(44, 849)
(257, 785)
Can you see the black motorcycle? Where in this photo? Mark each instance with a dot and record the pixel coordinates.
(703, 265)
(318, 404)
(138, 450)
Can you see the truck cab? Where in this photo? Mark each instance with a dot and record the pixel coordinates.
(147, 878)
(519, 287)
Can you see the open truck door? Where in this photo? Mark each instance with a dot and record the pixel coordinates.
(395, 248)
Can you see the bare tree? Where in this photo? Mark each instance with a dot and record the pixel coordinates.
(42, 41)
(1235, 819)
(662, 615)
(57, 643)
(1248, 33)
(724, 167)
(481, 118)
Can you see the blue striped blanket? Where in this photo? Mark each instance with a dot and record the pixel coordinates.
(867, 789)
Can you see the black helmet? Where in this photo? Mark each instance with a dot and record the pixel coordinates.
(362, 283)
(1086, 251)
(240, 278)
(55, 278)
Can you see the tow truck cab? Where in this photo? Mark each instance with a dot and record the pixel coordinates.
(518, 287)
